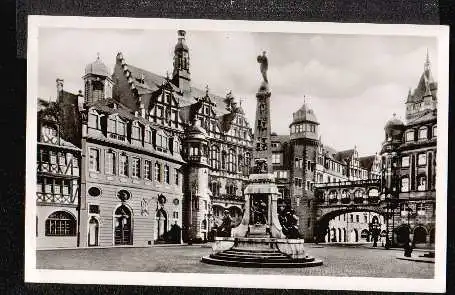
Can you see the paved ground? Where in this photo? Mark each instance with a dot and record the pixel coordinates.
(338, 261)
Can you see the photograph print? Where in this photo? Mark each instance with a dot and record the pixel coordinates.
(236, 154)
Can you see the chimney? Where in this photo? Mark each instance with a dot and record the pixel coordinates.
(80, 100)
(59, 87)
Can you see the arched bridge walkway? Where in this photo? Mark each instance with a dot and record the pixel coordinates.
(335, 199)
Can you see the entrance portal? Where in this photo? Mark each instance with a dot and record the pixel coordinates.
(161, 224)
(122, 226)
(93, 228)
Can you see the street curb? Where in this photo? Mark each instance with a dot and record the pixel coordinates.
(128, 247)
(417, 259)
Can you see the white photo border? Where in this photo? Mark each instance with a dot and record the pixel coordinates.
(437, 284)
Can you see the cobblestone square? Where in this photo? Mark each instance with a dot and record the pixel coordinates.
(338, 261)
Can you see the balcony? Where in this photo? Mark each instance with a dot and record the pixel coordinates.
(55, 198)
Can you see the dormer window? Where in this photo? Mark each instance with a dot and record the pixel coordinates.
(136, 131)
(410, 135)
(423, 133)
(161, 142)
(148, 136)
(116, 128)
(93, 120)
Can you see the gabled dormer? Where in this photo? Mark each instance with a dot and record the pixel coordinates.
(164, 107)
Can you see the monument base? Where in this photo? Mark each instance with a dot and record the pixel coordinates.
(260, 252)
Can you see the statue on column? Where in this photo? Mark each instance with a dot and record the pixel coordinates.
(262, 59)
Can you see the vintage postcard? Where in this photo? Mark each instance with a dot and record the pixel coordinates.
(236, 154)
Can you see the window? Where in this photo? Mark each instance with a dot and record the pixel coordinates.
(276, 158)
(60, 223)
(405, 184)
(175, 214)
(147, 170)
(161, 142)
(357, 219)
(215, 188)
(158, 172)
(435, 131)
(232, 161)
(405, 161)
(94, 160)
(351, 217)
(93, 121)
(410, 135)
(423, 133)
(420, 208)
(123, 165)
(298, 163)
(421, 183)
(110, 163)
(148, 136)
(176, 175)
(365, 219)
(205, 204)
(422, 159)
(136, 132)
(136, 162)
(166, 174)
(214, 157)
(117, 128)
(94, 209)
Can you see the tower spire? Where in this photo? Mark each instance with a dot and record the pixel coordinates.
(427, 61)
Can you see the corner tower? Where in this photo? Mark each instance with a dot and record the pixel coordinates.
(97, 81)
(304, 145)
(181, 74)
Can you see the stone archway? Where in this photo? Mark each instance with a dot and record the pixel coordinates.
(123, 234)
(401, 235)
(354, 236)
(420, 235)
(161, 224)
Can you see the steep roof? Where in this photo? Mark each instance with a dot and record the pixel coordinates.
(367, 161)
(147, 82)
(344, 155)
(280, 138)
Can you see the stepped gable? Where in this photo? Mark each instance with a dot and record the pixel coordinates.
(146, 83)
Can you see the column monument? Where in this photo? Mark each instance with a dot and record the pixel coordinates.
(259, 240)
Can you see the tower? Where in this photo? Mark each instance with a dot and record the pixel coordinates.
(262, 150)
(97, 81)
(196, 184)
(181, 74)
(304, 146)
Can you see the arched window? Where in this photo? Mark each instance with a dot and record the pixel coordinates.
(405, 184)
(61, 223)
(215, 188)
(215, 157)
(230, 189)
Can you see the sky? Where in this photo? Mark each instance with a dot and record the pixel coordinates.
(354, 83)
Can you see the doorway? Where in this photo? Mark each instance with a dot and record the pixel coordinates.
(93, 228)
(122, 226)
